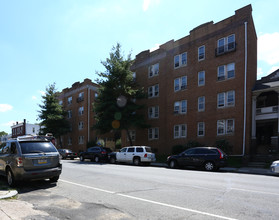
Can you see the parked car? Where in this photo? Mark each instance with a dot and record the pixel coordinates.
(133, 154)
(275, 166)
(208, 158)
(29, 158)
(67, 153)
(95, 154)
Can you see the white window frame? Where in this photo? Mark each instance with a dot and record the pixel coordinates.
(225, 44)
(70, 113)
(201, 129)
(153, 133)
(80, 139)
(80, 110)
(180, 131)
(180, 107)
(132, 135)
(201, 54)
(224, 75)
(80, 125)
(180, 83)
(201, 78)
(153, 70)
(225, 127)
(70, 100)
(70, 141)
(180, 60)
(153, 91)
(201, 104)
(228, 99)
(153, 112)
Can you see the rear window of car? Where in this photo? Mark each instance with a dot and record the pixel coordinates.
(139, 149)
(148, 149)
(36, 147)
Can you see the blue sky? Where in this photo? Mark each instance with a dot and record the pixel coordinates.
(64, 41)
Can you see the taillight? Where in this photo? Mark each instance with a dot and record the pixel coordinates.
(103, 152)
(19, 162)
(221, 154)
(145, 155)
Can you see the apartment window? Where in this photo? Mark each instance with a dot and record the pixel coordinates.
(201, 129)
(226, 99)
(153, 91)
(80, 97)
(70, 141)
(81, 140)
(226, 72)
(201, 53)
(201, 78)
(180, 131)
(225, 126)
(132, 135)
(60, 102)
(226, 44)
(180, 107)
(80, 110)
(80, 125)
(153, 133)
(153, 112)
(201, 103)
(134, 76)
(180, 60)
(70, 114)
(70, 100)
(180, 83)
(153, 70)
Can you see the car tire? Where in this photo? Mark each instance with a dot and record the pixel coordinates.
(112, 160)
(96, 159)
(209, 166)
(172, 164)
(136, 161)
(54, 179)
(81, 158)
(10, 178)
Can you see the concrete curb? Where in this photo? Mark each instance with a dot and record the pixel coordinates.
(5, 194)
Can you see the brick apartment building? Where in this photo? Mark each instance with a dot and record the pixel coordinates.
(77, 101)
(200, 87)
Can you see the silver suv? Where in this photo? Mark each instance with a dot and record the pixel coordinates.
(29, 159)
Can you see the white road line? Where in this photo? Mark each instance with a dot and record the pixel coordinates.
(254, 191)
(150, 201)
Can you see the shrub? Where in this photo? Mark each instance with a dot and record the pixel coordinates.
(191, 144)
(224, 145)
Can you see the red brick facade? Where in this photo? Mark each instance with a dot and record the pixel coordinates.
(227, 52)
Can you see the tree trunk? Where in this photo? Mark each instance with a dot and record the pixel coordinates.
(130, 138)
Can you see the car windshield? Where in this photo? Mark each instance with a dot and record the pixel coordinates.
(68, 151)
(36, 147)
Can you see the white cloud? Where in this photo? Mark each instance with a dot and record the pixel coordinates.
(260, 72)
(147, 3)
(156, 47)
(34, 97)
(268, 47)
(5, 107)
(42, 92)
(9, 124)
(274, 68)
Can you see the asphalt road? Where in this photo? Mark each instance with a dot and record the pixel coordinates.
(88, 190)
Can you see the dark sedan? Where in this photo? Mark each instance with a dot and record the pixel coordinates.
(208, 158)
(67, 153)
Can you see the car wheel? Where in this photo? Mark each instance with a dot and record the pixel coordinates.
(112, 160)
(97, 159)
(10, 178)
(136, 161)
(54, 179)
(209, 166)
(172, 164)
(81, 158)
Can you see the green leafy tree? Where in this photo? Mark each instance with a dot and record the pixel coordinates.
(52, 115)
(115, 107)
(2, 133)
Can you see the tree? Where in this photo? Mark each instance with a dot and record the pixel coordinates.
(3, 133)
(52, 114)
(115, 107)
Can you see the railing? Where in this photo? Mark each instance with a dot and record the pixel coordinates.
(267, 110)
(225, 49)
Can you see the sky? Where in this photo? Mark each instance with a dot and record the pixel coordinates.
(64, 41)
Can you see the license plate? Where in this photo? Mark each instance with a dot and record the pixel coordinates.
(42, 161)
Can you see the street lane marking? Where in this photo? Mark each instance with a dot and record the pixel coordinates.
(149, 201)
(254, 191)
